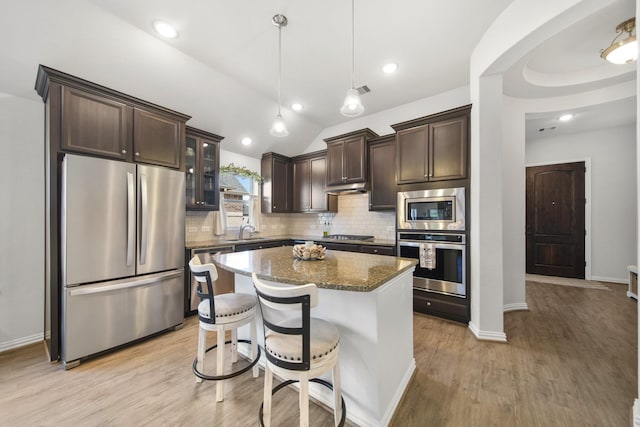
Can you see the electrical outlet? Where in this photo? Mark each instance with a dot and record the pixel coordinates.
(193, 229)
(206, 228)
(390, 228)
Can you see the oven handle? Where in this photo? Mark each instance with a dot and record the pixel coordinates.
(415, 244)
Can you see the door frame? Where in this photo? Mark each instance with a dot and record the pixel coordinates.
(587, 206)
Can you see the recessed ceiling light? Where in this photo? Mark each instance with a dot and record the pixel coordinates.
(246, 141)
(165, 29)
(565, 117)
(296, 106)
(390, 68)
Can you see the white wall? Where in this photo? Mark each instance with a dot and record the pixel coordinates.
(613, 192)
(21, 222)
(381, 121)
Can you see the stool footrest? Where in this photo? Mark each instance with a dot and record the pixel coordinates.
(225, 376)
(313, 380)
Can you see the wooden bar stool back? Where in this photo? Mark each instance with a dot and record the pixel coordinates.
(298, 347)
(221, 313)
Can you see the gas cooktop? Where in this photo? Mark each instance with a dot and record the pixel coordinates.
(349, 237)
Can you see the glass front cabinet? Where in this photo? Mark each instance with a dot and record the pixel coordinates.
(202, 164)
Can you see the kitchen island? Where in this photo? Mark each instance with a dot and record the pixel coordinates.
(369, 298)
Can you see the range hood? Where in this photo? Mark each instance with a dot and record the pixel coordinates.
(356, 187)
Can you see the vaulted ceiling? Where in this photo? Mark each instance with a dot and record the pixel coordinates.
(222, 69)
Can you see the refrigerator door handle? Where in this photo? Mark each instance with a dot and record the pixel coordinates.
(131, 218)
(97, 289)
(144, 219)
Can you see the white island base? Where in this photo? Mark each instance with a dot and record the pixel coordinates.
(376, 345)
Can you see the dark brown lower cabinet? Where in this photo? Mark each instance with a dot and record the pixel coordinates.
(261, 245)
(448, 307)
(378, 250)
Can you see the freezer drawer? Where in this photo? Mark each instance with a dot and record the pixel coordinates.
(105, 315)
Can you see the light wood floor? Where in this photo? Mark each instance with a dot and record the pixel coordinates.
(571, 360)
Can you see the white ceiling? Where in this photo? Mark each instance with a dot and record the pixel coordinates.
(569, 63)
(222, 69)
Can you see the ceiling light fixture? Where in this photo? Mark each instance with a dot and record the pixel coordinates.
(296, 106)
(389, 68)
(279, 129)
(565, 117)
(622, 51)
(165, 30)
(352, 105)
(246, 141)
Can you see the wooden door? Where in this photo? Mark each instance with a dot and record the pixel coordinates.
(412, 155)
(448, 149)
(555, 220)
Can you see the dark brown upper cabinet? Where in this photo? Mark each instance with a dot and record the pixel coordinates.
(347, 157)
(277, 191)
(202, 166)
(102, 122)
(157, 138)
(382, 173)
(433, 148)
(94, 124)
(309, 182)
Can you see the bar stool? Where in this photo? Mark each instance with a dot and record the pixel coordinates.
(299, 348)
(221, 313)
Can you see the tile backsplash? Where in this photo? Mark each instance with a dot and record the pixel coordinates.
(353, 217)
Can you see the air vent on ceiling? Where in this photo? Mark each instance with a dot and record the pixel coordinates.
(363, 89)
(547, 129)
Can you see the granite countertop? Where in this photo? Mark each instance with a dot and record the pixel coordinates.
(347, 271)
(224, 242)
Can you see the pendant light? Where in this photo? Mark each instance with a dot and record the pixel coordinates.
(622, 51)
(352, 105)
(279, 129)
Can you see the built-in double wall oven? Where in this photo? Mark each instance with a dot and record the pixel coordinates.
(431, 229)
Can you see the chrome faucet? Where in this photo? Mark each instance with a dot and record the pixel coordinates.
(243, 227)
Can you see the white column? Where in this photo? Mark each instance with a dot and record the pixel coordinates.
(513, 206)
(486, 209)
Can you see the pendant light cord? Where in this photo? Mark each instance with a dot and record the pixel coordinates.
(353, 49)
(279, 66)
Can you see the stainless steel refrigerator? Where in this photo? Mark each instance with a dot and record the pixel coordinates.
(122, 253)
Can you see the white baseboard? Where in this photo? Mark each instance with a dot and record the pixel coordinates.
(487, 335)
(9, 345)
(610, 279)
(517, 306)
(636, 413)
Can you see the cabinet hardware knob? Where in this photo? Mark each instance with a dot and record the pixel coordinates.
(137, 154)
(375, 251)
(124, 151)
(426, 175)
(428, 303)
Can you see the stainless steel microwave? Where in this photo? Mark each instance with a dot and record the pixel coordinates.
(441, 209)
